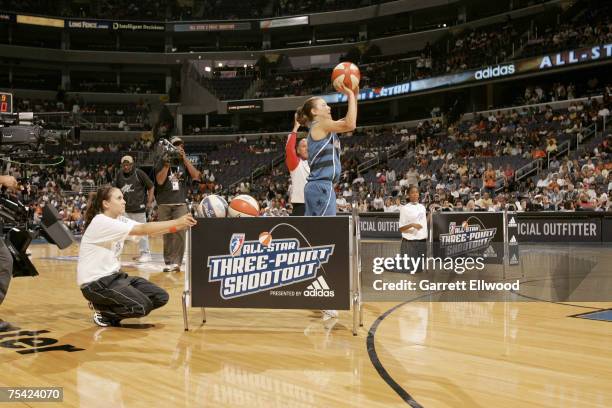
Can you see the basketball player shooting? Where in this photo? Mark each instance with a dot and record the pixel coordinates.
(324, 150)
(324, 154)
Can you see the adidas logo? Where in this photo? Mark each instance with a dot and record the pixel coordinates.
(490, 252)
(494, 72)
(318, 288)
(512, 222)
(513, 240)
(514, 260)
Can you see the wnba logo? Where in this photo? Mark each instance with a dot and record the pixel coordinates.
(318, 288)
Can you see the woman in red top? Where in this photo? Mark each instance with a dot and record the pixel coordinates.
(296, 158)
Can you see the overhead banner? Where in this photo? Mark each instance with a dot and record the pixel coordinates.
(40, 21)
(238, 26)
(533, 64)
(558, 229)
(480, 234)
(245, 106)
(271, 262)
(137, 26)
(570, 57)
(283, 22)
(88, 24)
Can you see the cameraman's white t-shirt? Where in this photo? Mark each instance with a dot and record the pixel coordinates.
(101, 247)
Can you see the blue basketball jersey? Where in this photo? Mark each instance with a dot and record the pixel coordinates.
(324, 158)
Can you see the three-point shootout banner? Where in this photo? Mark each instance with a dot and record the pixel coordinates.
(469, 233)
(271, 262)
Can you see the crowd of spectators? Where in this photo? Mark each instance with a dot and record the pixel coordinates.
(470, 48)
(593, 27)
(471, 165)
(464, 165)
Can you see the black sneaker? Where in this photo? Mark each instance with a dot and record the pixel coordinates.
(103, 321)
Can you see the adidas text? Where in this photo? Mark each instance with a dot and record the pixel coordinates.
(319, 293)
(494, 72)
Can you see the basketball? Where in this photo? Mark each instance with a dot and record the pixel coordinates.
(265, 238)
(243, 206)
(346, 73)
(213, 206)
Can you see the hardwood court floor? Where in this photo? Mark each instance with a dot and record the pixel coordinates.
(439, 354)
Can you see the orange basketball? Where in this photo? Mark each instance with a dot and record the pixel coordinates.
(265, 238)
(243, 206)
(346, 73)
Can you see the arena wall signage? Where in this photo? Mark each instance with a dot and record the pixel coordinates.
(283, 22)
(577, 56)
(469, 233)
(271, 262)
(522, 66)
(137, 26)
(551, 229)
(40, 21)
(513, 239)
(524, 227)
(245, 106)
(212, 27)
(88, 24)
(379, 226)
(494, 72)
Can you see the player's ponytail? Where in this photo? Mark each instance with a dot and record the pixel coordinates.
(94, 204)
(304, 113)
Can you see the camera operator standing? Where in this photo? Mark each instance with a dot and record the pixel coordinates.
(6, 260)
(137, 189)
(172, 179)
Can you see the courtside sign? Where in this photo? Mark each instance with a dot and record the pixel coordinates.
(271, 262)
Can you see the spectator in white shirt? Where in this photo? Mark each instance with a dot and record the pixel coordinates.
(413, 226)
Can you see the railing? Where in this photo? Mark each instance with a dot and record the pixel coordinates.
(528, 169)
(367, 165)
(88, 188)
(563, 148)
(499, 184)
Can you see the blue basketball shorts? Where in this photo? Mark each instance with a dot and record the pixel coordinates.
(319, 198)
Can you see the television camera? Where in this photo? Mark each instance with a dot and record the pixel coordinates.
(168, 152)
(25, 140)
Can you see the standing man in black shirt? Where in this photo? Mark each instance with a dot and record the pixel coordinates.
(137, 189)
(171, 195)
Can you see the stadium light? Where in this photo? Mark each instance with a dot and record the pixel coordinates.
(207, 69)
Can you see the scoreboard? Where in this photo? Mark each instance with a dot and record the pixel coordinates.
(6, 102)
